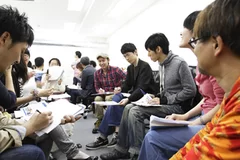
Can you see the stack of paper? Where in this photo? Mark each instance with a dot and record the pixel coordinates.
(162, 122)
(56, 96)
(58, 108)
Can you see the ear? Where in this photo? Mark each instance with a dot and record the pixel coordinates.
(218, 45)
(5, 36)
(159, 49)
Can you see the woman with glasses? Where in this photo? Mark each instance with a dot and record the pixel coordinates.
(163, 143)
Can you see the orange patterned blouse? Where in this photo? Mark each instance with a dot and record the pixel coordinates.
(220, 139)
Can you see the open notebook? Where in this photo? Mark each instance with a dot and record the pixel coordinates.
(58, 108)
(162, 122)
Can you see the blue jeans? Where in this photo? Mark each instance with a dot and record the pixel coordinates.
(112, 117)
(25, 152)
(163, 143)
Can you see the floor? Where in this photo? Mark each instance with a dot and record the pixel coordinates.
(83, 134)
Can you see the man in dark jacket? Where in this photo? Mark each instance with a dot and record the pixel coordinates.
(139, 80)
(87, 82)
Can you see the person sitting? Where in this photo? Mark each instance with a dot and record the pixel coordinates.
(177, 89)
(77, 73)
(39, 71)
(14, 41)
(106, 79)
(163, 143)
(216, 45)
(57, 85)
(87, 81)
(139, 79)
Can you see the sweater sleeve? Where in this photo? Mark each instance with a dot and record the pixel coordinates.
(7, 98)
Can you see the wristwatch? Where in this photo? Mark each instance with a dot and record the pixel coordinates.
(35, 95)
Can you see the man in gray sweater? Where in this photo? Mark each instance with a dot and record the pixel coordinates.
(176, 91)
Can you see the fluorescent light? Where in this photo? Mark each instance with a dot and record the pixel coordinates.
(75, 5)
(121, 7)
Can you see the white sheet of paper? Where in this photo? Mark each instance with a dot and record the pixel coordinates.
(57, 96)
(56, 72)
(106, 103)
(157, 121)
(144, 101)
(126, 94)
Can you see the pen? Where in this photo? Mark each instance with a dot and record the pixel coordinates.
(38, 111)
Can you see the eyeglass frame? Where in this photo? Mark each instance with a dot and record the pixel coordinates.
(193, 41)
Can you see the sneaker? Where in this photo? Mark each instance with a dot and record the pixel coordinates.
(112, 143)
(99, 143)
(114, 155)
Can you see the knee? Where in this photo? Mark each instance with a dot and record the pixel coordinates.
(134, 112)
(117, 97)
(108, 98)
(98, 98)
(150, 136)
(34, 152)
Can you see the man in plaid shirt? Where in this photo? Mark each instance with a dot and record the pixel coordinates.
(105, 80)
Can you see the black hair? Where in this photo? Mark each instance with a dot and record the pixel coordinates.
(155, 40)
(93, 63)
(56, 59)
(190, 20)
(39, 61)
(16, 25)
(78, 53)
(21, 70)
(128, 47)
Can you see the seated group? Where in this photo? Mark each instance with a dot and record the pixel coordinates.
(213, 132)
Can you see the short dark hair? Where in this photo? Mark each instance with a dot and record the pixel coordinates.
(190, 20)
(93, 63)
(78, 53)
(16, 25)
(56, 59)
(27, 52)
(128, 47)
(155, 40)
(39, 61)
(220, 18)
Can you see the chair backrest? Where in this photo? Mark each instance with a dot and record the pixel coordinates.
(198, 96)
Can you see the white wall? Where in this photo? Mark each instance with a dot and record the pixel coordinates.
(165, 16)
(64, 54)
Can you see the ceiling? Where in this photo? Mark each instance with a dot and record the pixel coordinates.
(81, 23)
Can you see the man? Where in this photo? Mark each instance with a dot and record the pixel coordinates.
(77, 73)
(87, 83)
(216, 45)
(139, 80)
(39, 63)
(106, 79)
(177, 88)
(16, 36)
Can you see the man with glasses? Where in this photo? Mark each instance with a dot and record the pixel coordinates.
(139, 80)
(217, 47)
(177, 88)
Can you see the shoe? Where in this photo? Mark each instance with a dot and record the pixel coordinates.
(89, 158)
(112, 143)
(94, 130)
(79, 145)
(99, 143)
(114, 155)
(135, 157)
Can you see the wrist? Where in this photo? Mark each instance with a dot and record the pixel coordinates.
(29, 128)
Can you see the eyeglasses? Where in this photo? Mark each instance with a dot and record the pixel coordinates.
(193, 42)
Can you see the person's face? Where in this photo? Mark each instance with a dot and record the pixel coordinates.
(204, 52)
(103, 62)
(186, 35)
(130, 57)
(154, 56)
(26, 58)
(53, 63)
(10, 53)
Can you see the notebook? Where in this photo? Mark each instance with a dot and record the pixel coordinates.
(144, 102)
(163, 122)
(55, 73)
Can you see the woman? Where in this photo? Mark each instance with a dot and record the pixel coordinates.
(57, 85)
(163, 143)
